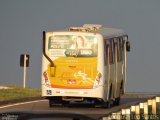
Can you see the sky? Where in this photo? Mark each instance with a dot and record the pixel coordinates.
(23, 21)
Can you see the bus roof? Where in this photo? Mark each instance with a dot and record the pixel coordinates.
(99, 29)
(111, 32)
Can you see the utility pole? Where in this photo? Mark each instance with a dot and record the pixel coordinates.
(24, 72)
(24, 62)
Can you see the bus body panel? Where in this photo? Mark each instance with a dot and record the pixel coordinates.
(72, 70)
(79, 72)
(89, 93)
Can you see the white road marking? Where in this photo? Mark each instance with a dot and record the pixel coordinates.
(21, 103)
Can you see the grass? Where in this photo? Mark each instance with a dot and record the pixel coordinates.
(17, 93)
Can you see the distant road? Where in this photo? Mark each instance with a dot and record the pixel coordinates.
(42, 107)
(145, 93)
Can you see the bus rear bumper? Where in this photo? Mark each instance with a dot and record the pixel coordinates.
(73, 93)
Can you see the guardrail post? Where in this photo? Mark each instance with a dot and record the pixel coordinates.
(128, 114)
(154, 107)
(116, 116)
(107, 118)
(133, 114)
(123, 112)
(158, 106)
(141, 106)
(145, 111)
(137, 112)
(149, 107)
(119, 115)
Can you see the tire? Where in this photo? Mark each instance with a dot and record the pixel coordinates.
(103, 104)
(108, 103)
(50, 103)
(116, 101)
(110, 92)
(122, 88)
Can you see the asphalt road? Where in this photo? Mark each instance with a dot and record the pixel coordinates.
(42, 107)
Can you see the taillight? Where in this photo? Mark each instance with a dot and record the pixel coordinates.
(98, 77)
(45, 75)
(97, 80)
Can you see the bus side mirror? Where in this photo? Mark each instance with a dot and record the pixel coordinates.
(128, 47)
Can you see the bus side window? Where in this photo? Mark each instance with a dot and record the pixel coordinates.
(106, 45)
(120, 48)
(112, 51)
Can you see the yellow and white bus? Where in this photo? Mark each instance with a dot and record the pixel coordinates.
(85, 63)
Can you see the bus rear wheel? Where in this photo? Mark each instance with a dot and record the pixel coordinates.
(116, 101)
(103, 104)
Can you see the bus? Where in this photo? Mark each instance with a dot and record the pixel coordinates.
(84, 64)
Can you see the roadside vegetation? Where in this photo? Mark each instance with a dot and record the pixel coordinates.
(15, 92)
